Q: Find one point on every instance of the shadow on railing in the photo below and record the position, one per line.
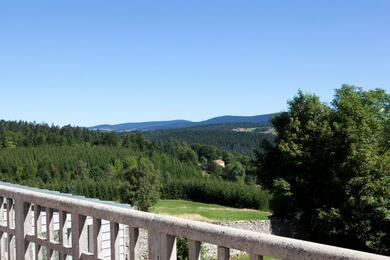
(41, 224)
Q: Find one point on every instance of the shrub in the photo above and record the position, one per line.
(213, 190)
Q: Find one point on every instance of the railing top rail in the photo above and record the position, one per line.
(249, 241)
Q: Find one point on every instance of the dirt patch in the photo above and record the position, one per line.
(194, 217)
(190, 216)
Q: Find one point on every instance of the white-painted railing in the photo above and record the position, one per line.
(20, 227)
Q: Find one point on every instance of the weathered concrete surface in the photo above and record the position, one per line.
(252, 242)
(262, 226)
(210, 250)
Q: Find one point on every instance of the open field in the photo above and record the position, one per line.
(207, 212)
(244, 130)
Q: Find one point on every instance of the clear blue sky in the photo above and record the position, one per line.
(90, 62)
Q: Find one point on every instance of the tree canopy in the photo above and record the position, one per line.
(141, 186)
(124, 167)
(329, 167)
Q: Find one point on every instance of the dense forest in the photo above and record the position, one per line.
(120, 167)
(234, 137)
(326, 167)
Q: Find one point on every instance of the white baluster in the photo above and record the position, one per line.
(97, 237)
(167, 247)
(10, 211)
(256, 257)
(194, 248)
(79, 236)
(62, 231)
(114, 239)
(133, 243)
(153, 245)
(223, 253)
(23, 215)
(49, 225)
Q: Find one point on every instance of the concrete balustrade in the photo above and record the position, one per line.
(21, 222)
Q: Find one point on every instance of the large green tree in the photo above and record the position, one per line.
(142, 185)
(234, 171)
(330, 167)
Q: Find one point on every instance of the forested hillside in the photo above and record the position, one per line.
(327, 168)
(176, 124)
(124, 167)
(235, 137)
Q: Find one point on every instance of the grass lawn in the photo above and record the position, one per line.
(207, 212)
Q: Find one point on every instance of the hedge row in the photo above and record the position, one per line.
(216, 191)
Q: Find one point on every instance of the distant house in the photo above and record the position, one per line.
(219, 163)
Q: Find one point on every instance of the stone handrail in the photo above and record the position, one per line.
(22, 206)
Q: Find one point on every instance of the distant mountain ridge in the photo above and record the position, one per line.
(176, 124)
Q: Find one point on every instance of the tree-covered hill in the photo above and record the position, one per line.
(176, 124)
(328, 166)
(234, 137)
(125, 167)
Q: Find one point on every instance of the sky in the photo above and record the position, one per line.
(91, 62)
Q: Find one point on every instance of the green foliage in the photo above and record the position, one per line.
(142, 183)
(209, 152)
(121, 167)
(213, 190)
(182, 248)
(23, 134)
(221, 136)
(329, 167)
(281, 199)
(214, 169)
(186, 154)
(234, 171)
